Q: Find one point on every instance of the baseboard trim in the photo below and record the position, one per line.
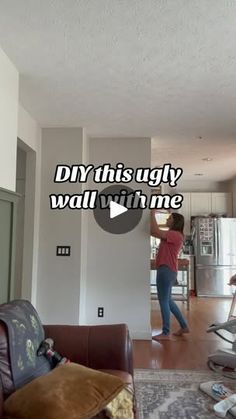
(141, 335)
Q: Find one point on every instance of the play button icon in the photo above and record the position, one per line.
(113, 214)
(116, 209)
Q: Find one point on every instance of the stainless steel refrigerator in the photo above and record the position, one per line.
(214, 242)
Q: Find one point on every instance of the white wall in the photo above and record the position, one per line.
(196, 186)
(28, 130)
(104, 269)
(201, 186)
(84, 239)
(119, 265)
(16, 122)
(58, 286)
(8, 122)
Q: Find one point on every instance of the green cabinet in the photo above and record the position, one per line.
(8, 203)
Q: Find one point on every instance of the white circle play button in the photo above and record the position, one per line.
(116, 209)
(112, 215)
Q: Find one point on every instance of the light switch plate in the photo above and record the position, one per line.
(63, 250)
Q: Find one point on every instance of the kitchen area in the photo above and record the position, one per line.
(208, 258)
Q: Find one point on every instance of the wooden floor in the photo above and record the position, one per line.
(190, 351)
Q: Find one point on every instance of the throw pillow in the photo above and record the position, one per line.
(70, 391)
(121, 407)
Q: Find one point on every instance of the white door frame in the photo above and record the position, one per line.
(29, 214)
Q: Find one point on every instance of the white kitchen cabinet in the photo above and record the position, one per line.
(221, 203)
(204, 203)
(185, 210)
(200, 203)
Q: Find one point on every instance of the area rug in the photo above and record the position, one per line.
(175, 394)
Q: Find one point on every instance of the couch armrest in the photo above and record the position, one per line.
(1, 400)
(98, 347)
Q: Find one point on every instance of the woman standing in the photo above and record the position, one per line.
(167, 267)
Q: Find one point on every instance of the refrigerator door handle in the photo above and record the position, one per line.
(193, 233)
(217, 240)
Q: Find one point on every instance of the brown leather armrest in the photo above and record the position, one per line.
(98, 347)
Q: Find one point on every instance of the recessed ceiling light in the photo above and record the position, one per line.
(198, 174)
(207, 159)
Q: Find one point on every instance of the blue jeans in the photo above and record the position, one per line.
(165, 279)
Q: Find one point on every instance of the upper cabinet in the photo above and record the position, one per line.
(200, 203)
(221, 203)
(204, 203)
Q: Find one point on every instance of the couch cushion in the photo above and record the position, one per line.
(124, 376)
(69, 391)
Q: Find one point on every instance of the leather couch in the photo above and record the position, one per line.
(107, 348)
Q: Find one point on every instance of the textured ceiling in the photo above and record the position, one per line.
(165, 69)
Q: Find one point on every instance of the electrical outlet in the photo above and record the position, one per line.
(100, 311)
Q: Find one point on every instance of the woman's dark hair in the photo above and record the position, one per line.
(178, 222)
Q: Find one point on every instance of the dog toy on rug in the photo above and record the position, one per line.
(225, 397)
(46, 349)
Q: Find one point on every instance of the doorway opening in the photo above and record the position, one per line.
(161, 217)
(20, 189)
(25, 187)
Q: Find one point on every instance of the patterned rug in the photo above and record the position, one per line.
(174, 394)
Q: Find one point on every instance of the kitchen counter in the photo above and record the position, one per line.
(183, 263)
